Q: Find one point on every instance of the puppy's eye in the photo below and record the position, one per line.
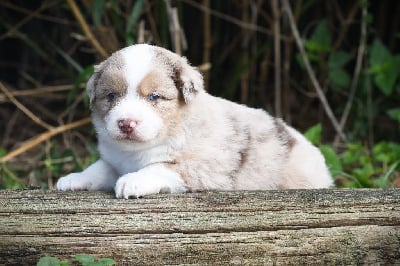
(154, 97)
(111, 96)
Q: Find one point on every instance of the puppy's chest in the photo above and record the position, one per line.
(125, 162)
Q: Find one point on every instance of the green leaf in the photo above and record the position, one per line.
(384, 181)
(339, 77)
(368, 18)
(332, 160)
(65, 263)
(386, 82)
(69, 59)
(392, 113)
(363, 3)
(83, 76)
(385, 67)
(312, 56)
(391, 170)
(106, 262)
(320, 40)
(386, 152)
(85, 259)
(313, 134)
(381, 68)
(133, 18)
(98, 10)
(379, 54)
(48, 261)
(338, 59)
(313, 46)
(352, 153)
(3, 152)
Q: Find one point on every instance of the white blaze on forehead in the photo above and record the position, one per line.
(138, 61)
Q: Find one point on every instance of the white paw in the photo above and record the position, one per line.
(74, 181)
(151, 180)
(137, 185)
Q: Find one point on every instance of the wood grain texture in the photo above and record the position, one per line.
(297, 227)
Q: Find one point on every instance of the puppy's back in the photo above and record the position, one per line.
(247, 149)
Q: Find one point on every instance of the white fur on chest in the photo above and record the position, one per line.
(128, 161)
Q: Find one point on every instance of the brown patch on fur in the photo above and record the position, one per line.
(263, 137)
(174, 166)
(167, 106)
(172, 65)
(244, 152)
(159, 83)
(178, 84)
(283, 134)
(113, 63)
(172, 120)
(109, 79)
(243, 136)
(167, 58)
(243, 157)
(177, 67)
(149, 84)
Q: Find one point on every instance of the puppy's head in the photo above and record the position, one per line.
(138, 95)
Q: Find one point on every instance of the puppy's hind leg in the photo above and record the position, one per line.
(307, 168)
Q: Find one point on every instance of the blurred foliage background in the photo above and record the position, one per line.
(329, 67)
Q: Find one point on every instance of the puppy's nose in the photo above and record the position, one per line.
(126, 125)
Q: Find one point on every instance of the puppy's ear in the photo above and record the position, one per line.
(90, 85)
(188, 80)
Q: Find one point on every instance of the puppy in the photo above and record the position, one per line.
(159, 131)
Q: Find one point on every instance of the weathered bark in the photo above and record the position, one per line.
(299, 227)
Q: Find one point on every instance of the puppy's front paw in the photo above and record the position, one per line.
(137, 185)
(74, 181)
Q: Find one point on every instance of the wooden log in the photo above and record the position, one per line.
(295, 227)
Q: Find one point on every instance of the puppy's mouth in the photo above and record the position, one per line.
(129, 138)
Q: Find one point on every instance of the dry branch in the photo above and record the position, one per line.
(357, 71)
(294, 227)
(86, 29)
(176, 32)
(233, 20)
(207, 42)
(38, 15)
(27, 19)
(25, 110)
(43, 137)
(277, 56)
(310, 72)
(40, 91)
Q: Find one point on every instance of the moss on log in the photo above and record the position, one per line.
(299, 227)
